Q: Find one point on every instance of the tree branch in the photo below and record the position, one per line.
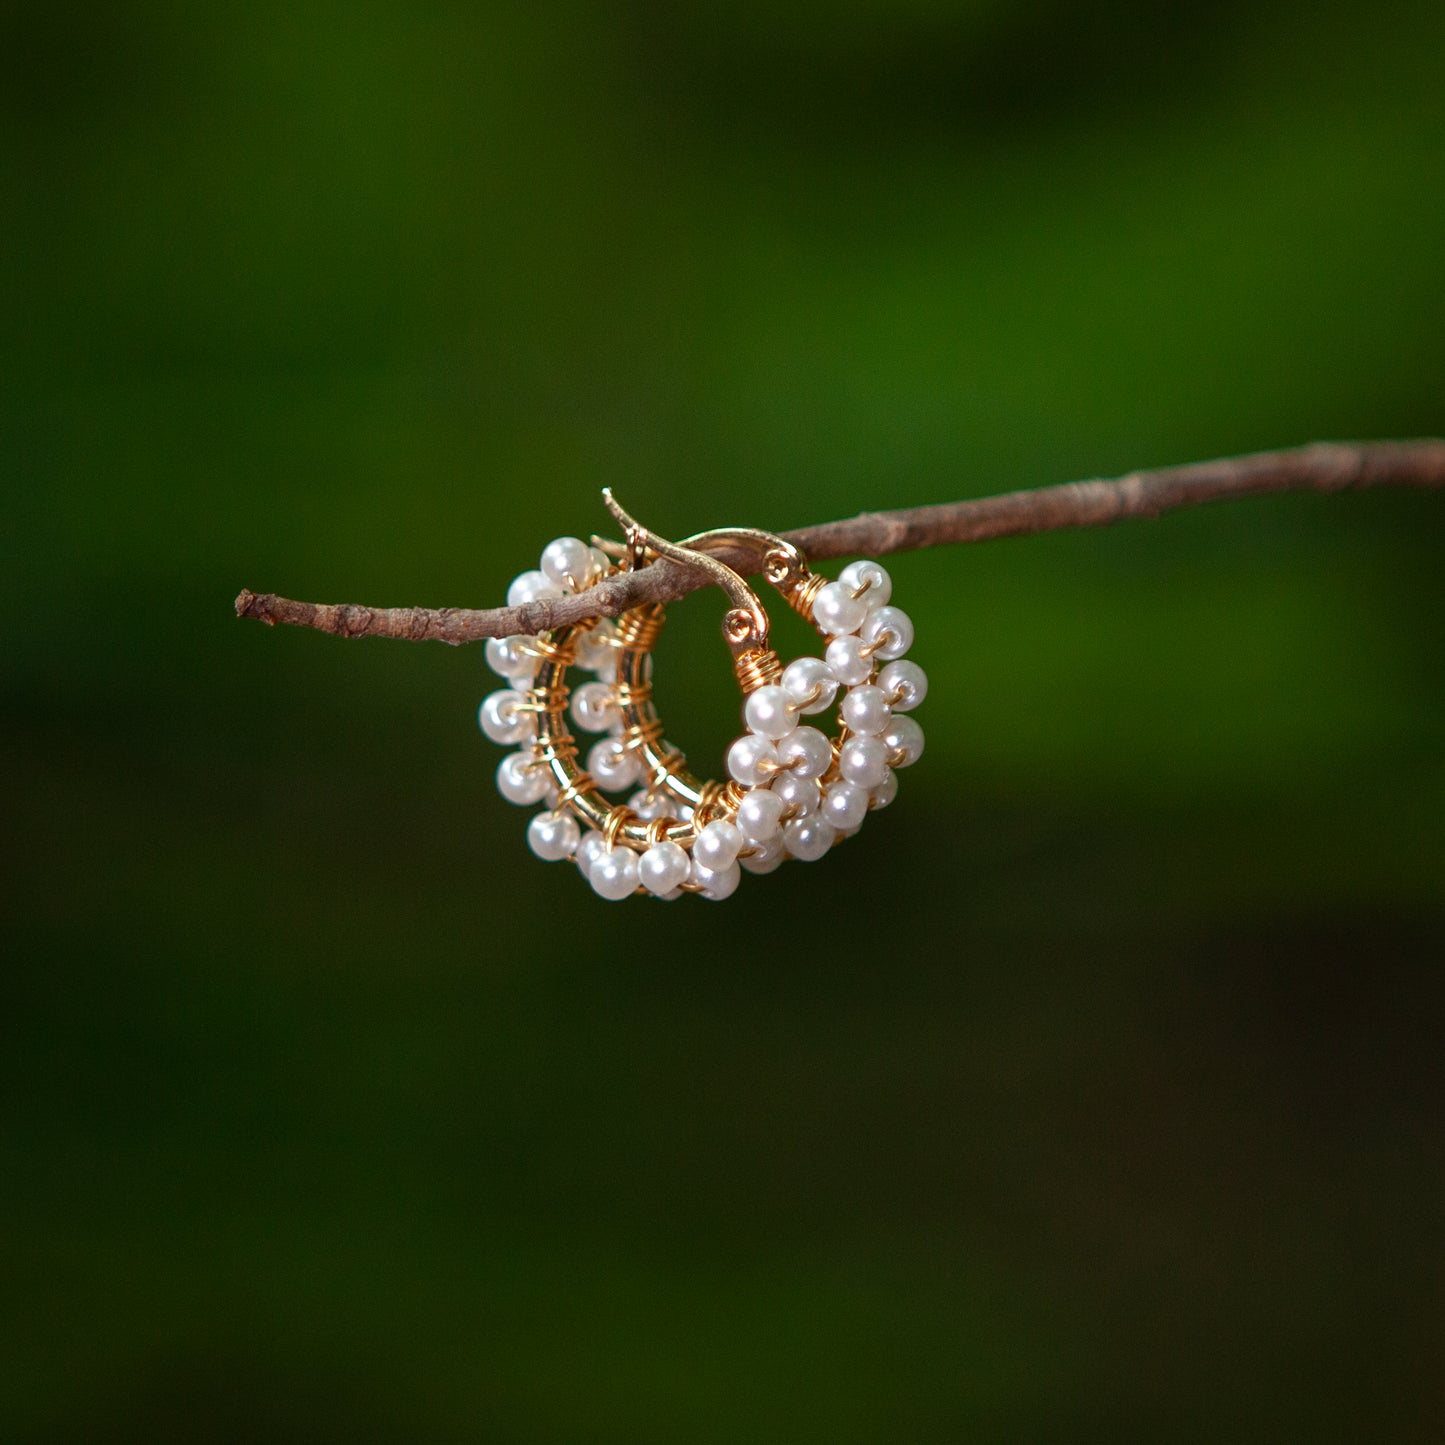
(1323, 467)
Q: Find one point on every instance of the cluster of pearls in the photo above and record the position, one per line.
(803, 793)
(796, 792)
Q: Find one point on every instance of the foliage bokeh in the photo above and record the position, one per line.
(1092, 1092)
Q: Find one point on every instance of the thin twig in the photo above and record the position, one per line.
(1323, 467)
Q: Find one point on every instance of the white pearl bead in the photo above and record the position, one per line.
(767, 713)
(752, 760)
(553, 836)
(530, 587)
(808, 681)
(904, 740)
(904, 684)
(601, 564)
(614, 872)
(836, 610)
(760, 815)
(500, 719)
(885, 792)
(716, 883)
(845, 805)
(805, 752)
(594, 707)
(522, 781)
(594, 650)
(663, 867)
(898, 626)
(863, 761)
(613, 766)
(765, 857)
(865, 710)
(808, 838)
(876, 579)
(567, 563)
(506, 658)
(847, 662)
(800, 796)
(587, 850)
(649, 804)
(717, 845)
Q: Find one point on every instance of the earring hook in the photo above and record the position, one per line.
(746, 624)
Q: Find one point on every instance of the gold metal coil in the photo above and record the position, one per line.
(617, 820)
(757, 668)
(632, 694)
(556, 750)
(800, 596)
(582, 782)
(546, 699)
(563, 651)
(642, 734)
(639, 629)
(657, 829)
(667, 766)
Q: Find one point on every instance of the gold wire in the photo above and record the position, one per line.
(632, 694)
(582, 782)
(757, 669)
(800, 596)
(617, 820)
(638, 629)
(641, 734)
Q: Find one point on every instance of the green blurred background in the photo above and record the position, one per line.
(1092, 1093)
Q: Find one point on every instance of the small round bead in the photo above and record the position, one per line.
(500, 719)
(530, 587)
(567, 563)
(594, 650)
(898, 626)
(808, 838)
(760, 816)
(863, 761)
(613, 766)
(810, 684)
(836, 610)
(904, 740)
(649, 804)
(865, 710)
(752, 760)
(765, 857)
(594, 707)
(553, 836)
(613, 873)
(904, 684)
(885, 792)
(662, 868)
(805, 752)
(716, 883)
(601, 564)
(506, 658)
(846, 661)
(520, 780)
(845, 805)
(879, 584)
(717, 845)
(767, 713)
(800, 796)
(587, 850)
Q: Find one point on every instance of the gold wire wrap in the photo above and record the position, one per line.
(800, 596)
(757, 669)
(582, 782)
(618, 819)
(639, 629)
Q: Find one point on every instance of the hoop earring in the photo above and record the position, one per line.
(791, 790)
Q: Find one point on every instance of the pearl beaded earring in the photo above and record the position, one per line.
(792, 792)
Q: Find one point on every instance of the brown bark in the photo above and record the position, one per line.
(1322, 467)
